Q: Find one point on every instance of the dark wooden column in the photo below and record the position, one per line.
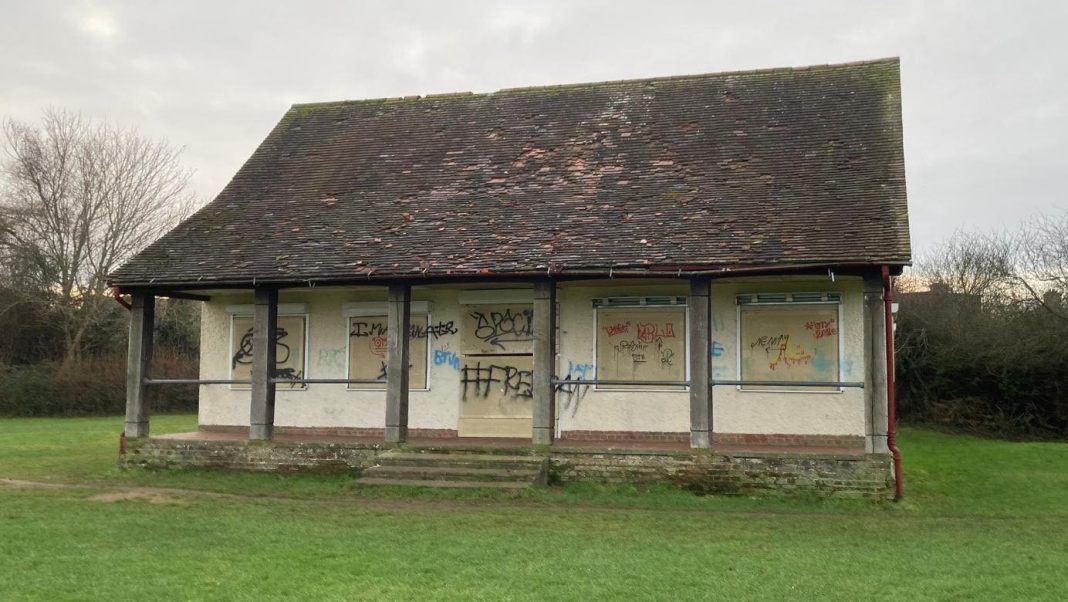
(398, 325)
(264, 325)
(875, 365)
(544, 410)
(138, 358)
(700, 363)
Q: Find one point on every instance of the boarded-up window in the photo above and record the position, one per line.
(290, 343)
(367, 351)
(641, 343)
(789, 342)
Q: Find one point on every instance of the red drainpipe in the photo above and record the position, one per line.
(117, 295)
(891, 396)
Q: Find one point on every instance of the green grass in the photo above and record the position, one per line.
(982, 519)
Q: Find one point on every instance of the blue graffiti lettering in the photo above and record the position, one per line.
(446, 358)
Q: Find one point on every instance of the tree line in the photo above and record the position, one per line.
(77, 198)
(982, 332)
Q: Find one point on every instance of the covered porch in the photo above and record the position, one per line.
(560, 328)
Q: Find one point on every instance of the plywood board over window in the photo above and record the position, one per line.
(789, 342)
(367, 351)
(290, 341)
(641, 343)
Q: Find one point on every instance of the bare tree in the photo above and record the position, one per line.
(1042, 256)
(78, 198)
(972, 264)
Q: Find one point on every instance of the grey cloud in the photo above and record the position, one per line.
(985, 112)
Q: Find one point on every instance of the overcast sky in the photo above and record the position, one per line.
(984, 84)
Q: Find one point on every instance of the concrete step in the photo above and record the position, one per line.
(444, 484)
(465, 470)
(464, 460)
(446, 473)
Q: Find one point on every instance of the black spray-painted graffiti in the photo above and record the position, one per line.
(499, 327)
(244, 348)
(362, 329)
(434, 330)
(509, 380)
(243, 355)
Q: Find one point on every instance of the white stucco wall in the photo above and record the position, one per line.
(327, 405)
(332, 405)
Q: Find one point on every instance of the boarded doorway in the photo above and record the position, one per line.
(496, 375)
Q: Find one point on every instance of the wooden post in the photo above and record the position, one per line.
(700, 363)
(398, 325)
(544, 410)
(138, 358)
(875, 374)
(264, 325)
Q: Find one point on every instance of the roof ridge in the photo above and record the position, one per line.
(761, 71)
(663, 78)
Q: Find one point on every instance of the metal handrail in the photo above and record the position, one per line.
(194, 381)
(587, 381)
(327, 381)
(788, 383)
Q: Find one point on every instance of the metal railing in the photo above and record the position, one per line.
(555, 381)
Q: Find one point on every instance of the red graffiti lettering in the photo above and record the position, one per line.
(648, 332)
(620, 328)
(821, 328)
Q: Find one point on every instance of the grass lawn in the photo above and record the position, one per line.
(982, 520)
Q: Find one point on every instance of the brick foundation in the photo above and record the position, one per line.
(729, 439)
(624, 436)
(782, 440)
(740, 472)
(329, 431)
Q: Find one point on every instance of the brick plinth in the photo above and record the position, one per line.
(842, 474)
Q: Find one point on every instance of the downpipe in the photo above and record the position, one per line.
(891, 394)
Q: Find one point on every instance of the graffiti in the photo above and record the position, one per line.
(718, 349)
(444, 357)
(434, 330)
(768, 343)
(778, 349)
(367, 329)
(635, 349)
(647, 333)
(376, 331)
(415, 331)
(288, 374)
(512, 381)
(381, 372)
(499, 327)
(571, 394)
(331, 360)
(666, 356)
(617, 329)
(821, 328)
(243, 355)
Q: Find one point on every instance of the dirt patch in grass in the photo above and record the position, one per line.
(152, 497)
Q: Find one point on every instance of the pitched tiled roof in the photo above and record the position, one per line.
(779, 167)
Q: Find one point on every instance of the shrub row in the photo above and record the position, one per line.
(90, 387)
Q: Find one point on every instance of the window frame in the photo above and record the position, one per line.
(279, 387)
(357, 387)
(826, 298)
(651, 303)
